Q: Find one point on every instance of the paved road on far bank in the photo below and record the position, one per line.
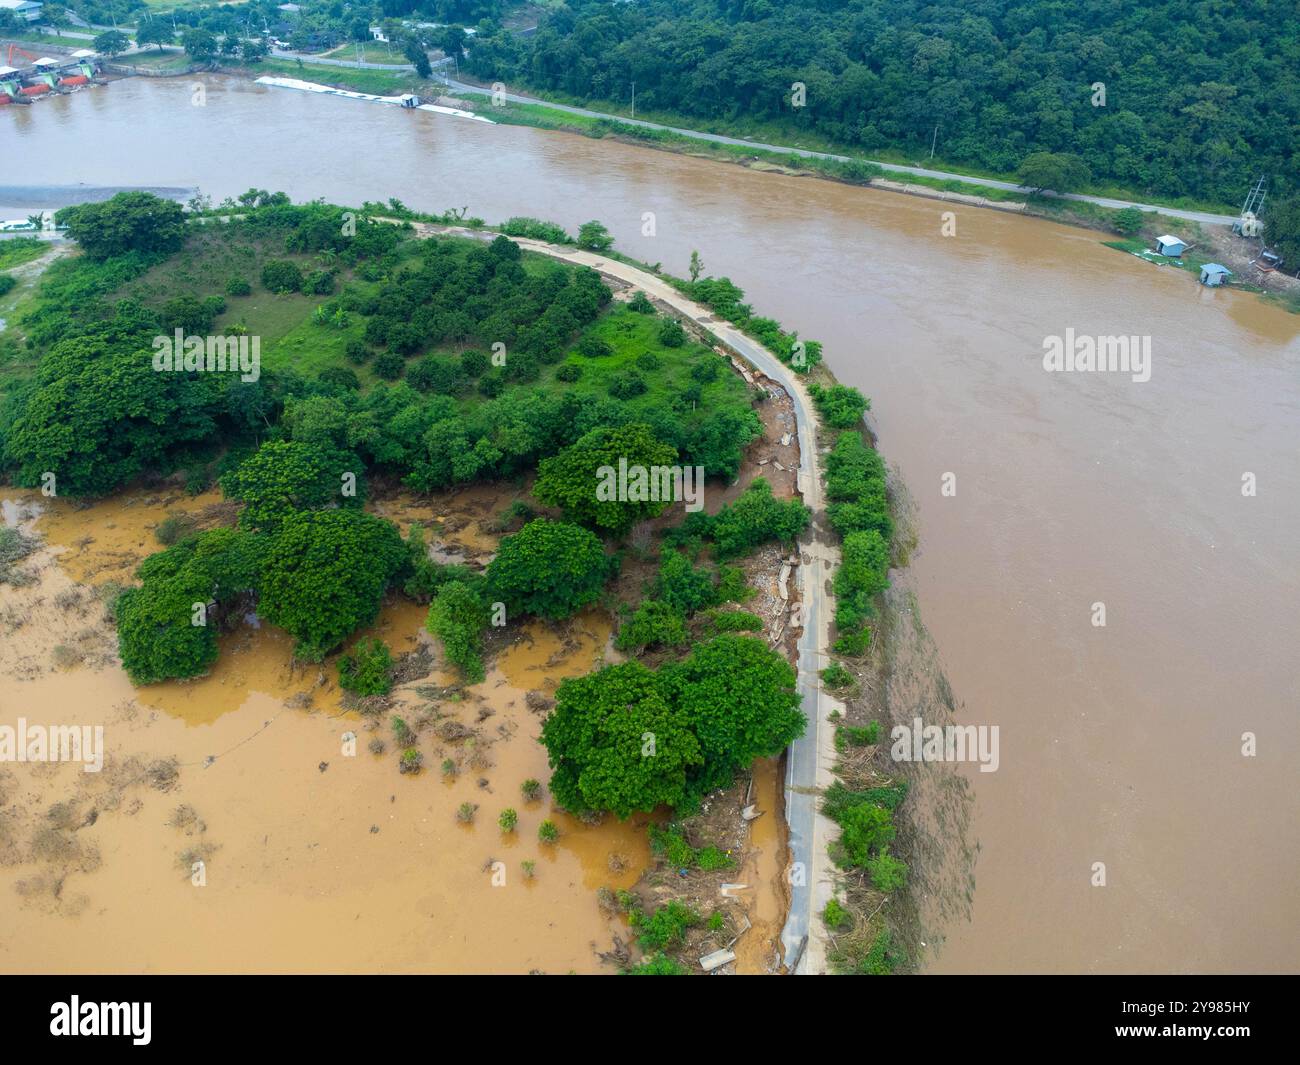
(896, 168)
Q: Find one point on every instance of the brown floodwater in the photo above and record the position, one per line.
(319, 856)
(1119, 744)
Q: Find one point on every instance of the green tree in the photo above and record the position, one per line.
(111, 43)
(739, 699)
(583, 478)
(1055, 171)
(458, 616)
(592, 236)
(155, 31)
(129, 221)
(549, 568)
(418, 57)
(1282, 231)
(167, 628)
(697, 266)
(617, 744)
(325, 574)
(284, 476)
(99, 415)
(199, 44)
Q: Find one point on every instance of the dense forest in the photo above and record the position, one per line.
(1200, 98)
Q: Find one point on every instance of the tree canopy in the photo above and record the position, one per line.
(549, 568)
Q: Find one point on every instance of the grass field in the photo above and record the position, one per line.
(371, 52)
(14, 251)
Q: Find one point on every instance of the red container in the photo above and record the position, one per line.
(74, 79)
(34, 90)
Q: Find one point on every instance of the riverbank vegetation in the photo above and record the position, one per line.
(984, 91)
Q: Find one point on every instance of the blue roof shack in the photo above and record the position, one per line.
(1170, 245)
(1213, 274)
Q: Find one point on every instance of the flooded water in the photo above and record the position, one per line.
(319, 854)
(1119, 744)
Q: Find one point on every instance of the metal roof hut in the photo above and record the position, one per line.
(1170, 245)
(1214, 274)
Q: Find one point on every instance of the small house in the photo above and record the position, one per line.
(1170, 245)
(1213, 274)
(27, 10)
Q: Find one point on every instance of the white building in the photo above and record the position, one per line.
(24, 9)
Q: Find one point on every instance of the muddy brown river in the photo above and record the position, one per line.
(1119, 744)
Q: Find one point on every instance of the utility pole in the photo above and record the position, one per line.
(634, 97)
(934, 140)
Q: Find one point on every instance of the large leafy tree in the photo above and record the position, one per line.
(283, 476)
(625, 738)
(325, 574)
(617, 744)
(739, 698)
(573, 479)
(167, 628)
(1055, 171)
(130, 221)
(549, 568)
(99, 415)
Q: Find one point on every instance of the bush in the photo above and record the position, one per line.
(1128, 221)
(640, 303)
(593, 347)
(547, 832)
(570, 371)
(172, 528)
(840, 406)
(474, 363)
(281, 276)
(657, 965)
(531, 790)
(647, 361)
(7, 283)
(238, 286)
(357, 352)
(458, 617)
(508, 820)
(837, 918)
(671, 333)
(318, 283)
(627, 384)
(389, 366)
(655, 622)
(666, 927)
(836, 676)
(367, 670)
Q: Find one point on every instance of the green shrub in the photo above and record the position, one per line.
(836, 676)
(657, 965)
(837, 918)
(389, 366)
(547, 832)
(367, 670)
(840, 406)
(508, 820)
(666, 927)
(281, 276)
(655, 622)
(238, 286)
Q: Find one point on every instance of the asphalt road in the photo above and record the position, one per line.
(896, 168)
